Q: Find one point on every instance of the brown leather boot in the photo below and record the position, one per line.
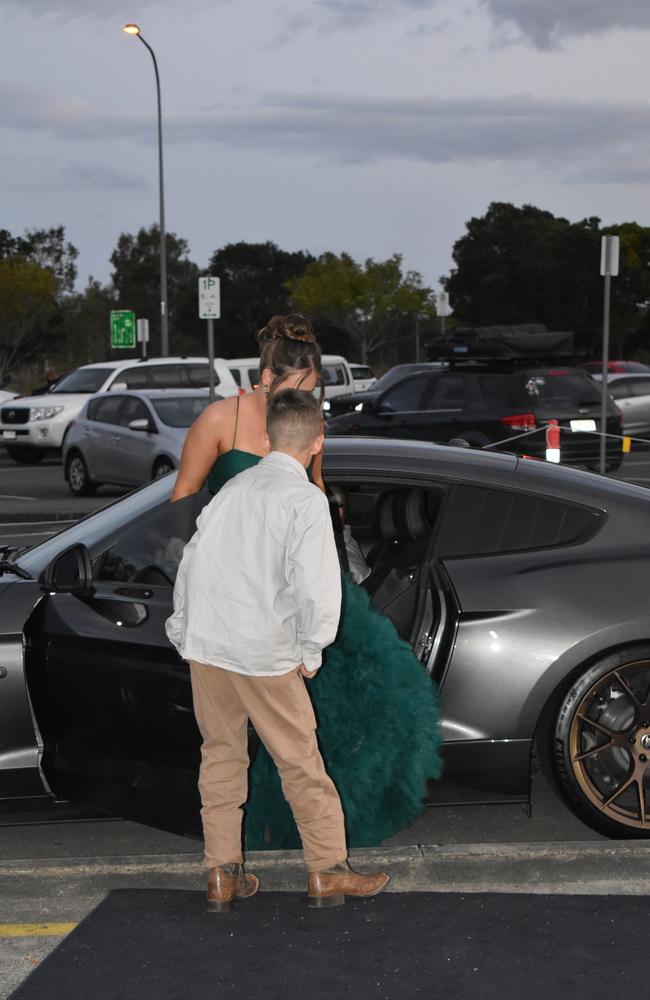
(229, 882)
(329, 888)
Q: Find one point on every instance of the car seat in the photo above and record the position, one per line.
(404, 521)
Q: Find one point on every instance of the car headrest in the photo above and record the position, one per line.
(405, 515)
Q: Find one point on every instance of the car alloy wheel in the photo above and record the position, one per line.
(603, 746)
(77, 476)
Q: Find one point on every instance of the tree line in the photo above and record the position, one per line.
(363, 310)
(511, 265)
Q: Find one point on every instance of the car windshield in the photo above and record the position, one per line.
(82, 380)
(95, 530)
(180, 411)
(557, 387)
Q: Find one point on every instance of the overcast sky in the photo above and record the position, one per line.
(372, 126)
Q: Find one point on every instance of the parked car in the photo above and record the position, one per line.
(32, 425)
(337, 374)
(129, 438)
(632, 395)
(246, 372)
(522, 588)
(348, 402)
(617, 367)
(6, 395)
(362, 376)
(491, 405)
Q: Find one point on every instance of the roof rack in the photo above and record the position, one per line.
(530, 342)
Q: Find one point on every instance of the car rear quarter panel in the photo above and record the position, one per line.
(530, 621)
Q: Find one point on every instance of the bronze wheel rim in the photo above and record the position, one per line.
(609, 745)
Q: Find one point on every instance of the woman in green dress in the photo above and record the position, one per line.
(375, 703)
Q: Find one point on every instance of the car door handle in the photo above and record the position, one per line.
(141, 593)
(115, 438)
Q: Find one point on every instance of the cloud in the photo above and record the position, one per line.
(557, 135)
(335, 14)
(68, 10)
(96, 177)
(546, 23)
(36, 175)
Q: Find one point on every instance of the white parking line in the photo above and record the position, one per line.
(32, 534)
(31, 524)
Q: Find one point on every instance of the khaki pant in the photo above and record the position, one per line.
(282, 714)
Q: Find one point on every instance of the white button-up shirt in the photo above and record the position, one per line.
(258, 590)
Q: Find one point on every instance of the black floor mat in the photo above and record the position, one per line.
(163, 945)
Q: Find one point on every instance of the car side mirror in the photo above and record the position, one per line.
(383, 409)
(70, 572)
(118, 387)
(142, 424)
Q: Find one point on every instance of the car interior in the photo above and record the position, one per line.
(394, 529)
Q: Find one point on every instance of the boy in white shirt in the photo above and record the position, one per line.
(257, 599)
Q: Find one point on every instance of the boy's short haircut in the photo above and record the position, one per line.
(293, 419)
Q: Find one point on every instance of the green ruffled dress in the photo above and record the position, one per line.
(377, 712)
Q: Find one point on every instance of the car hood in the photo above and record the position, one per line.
(67, 399)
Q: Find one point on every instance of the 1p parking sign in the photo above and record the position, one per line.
(209, 297)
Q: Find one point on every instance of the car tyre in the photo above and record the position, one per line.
(162, 467)
(78, 477)
(601, 744)
(26, 454)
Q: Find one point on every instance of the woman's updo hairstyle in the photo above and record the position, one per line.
(288, 344)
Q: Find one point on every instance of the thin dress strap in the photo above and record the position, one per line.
(234, 437)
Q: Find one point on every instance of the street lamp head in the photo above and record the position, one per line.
(132, 29)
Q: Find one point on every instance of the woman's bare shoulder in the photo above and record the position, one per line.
(222, 409)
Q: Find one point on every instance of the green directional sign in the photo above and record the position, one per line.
(122, 328)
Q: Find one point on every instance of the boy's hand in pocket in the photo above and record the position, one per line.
(307, 673)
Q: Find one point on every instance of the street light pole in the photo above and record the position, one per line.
(133, 29)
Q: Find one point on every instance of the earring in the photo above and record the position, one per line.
(267, 389)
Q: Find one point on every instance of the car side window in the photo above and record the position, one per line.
(134, 409)
(446, 392)
(236, 374)
(640, 387)
(107, 411)
(334, 375)
(486, 521)
(406, 396)
(150, 549)
(135, 378)
(621, 388)
(168, 376)
(198, 376)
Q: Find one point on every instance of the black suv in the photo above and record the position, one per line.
(485, 404)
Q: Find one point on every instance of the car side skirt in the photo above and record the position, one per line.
(483, 771)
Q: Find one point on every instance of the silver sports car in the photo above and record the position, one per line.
(521, 587)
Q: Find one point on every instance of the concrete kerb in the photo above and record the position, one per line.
(567, 867)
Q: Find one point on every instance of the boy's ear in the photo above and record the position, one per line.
(318, 444)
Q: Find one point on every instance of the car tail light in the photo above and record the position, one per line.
(520, 422)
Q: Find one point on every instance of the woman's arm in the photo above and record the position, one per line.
(200, 451)
(317, 472)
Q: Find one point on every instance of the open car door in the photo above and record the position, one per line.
(111, 696)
